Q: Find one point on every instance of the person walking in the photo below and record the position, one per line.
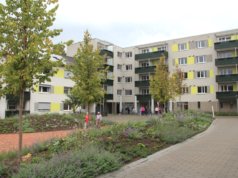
(98, 119)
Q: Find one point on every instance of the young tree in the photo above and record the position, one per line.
(164, 86)
(88, 73)
(73, 100)
(25, 47)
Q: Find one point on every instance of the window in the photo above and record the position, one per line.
(202, 74)
(185, 75)
(162, 48)
(43, 106)
(225, 71)
(144, 50)
(182, 46)
(129, 67)
(184, 90)
(11, 105)
(202, 89)
(119, 66)
(119, 54)
(67, 90)
(144, 77)
(199, 104)
(44, 88)
(200, 59)
(227, 87)
(201, 44)
(224, 38)
(128, 92)
(67, 74)
(144, 64)
(128, 79)
(119, 79)
(67, 107)
(224, 54)
(182, 61)
(145, 91)
(128, 54)
(119, 92)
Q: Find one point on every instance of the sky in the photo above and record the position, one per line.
(133, 22)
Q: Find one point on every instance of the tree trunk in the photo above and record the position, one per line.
(21, 107)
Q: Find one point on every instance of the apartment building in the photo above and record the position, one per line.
(208, 62)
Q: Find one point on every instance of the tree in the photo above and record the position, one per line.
(73, 101)
(88, 73)
(26, 47)
(164, 86)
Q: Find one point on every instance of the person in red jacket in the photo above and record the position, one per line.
(86, 121)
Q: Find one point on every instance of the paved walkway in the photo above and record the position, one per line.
(212, 154)
(9, 142)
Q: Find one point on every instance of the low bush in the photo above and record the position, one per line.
(88, 162)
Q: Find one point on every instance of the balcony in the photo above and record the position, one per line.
(226, 61)
(110, 67)
(143, 98)
(230, 95)
(106, 52)
(151, 55)
(108, 82)
(149, 69)
(227, 78)
(226, 44)
(108, 96)
(142, 83)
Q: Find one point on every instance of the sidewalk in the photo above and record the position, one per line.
(212, 154)
(9, 142)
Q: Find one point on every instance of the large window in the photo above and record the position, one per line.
(201, 44)
(11, 105)
(43, 106)
(226, 71)
(200, 59)
(119, 54)
(119, 92)
(184, 90)
(182, 46)
(145, 50)
(182, 61)
(129, 67)
(44, 88)
(67, 107)
(128, 92)
(128, 79)
(67, 90)
(128, 54)
(145, 91)
(162, 48)
(224, 38)
(202, 89)
(119, 66)
(227, 87)
(202, 74)
(144, 77)
(119, 79)
(185, 75)
(144, 64)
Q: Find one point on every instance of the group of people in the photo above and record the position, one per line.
(98, 120)
(144, 110)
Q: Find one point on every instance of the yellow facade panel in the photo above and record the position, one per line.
(211, 73)
(60, 73)
(58, 90)
(190, 75)
(174, 47)
(193, 90)
(54, 107)
(191, 60)
(211, 89)
(210, 42)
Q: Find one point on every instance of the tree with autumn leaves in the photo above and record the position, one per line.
(163, 85)
(26, 47)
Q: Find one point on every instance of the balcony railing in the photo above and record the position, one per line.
(108, 96)
(226, 61)
(230, 95)
(149, 69)
(106, 52)
(226, 44)
(151, 55)
(110, 67)
(143, 98)
(108, 82)
(227, 78)
(142, 83)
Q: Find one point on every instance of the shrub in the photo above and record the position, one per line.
(89, 162)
